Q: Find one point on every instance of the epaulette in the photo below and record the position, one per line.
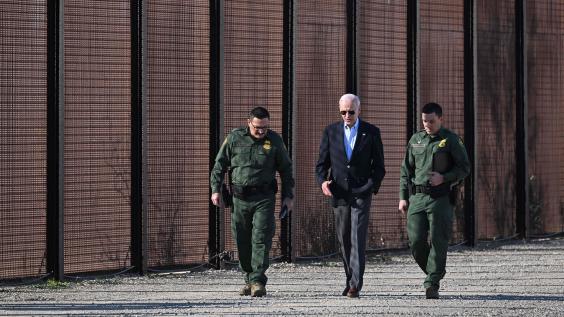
(238, 130)
(420, 131)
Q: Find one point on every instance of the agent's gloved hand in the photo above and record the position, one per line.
(287, 206)
(283, 212)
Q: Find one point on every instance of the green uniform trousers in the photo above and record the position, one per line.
(253, 226)
(430, 216)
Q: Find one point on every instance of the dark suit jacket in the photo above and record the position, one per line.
(351, 178)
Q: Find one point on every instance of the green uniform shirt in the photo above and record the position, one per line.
(253, 161)
(418, 161)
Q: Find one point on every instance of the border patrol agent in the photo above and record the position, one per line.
(435, 161)
(253, 154)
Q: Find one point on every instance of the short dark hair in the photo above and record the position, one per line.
(432, 107)
(259, 113)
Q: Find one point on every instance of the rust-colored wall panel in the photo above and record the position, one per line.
(97, 135)
(495, 119)
(545, 91)
(97, 122)
(253, 76)
(441, 59)
(177, 131)
(383, 98)
(320, 82)
(23, 136)
(441, 64)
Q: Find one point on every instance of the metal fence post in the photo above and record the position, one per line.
(469, 124)
(55, 139)
(216, 101)
(138, 209)
(412, 66)
(521, 153)
(352, 47)
(288, 95)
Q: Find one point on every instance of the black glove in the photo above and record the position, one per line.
(283, 212)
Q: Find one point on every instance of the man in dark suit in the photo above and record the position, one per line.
(350, 169)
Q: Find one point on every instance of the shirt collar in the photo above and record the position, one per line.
(354, 127)
(440, 133)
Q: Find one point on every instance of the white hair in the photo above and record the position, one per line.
(353, 97)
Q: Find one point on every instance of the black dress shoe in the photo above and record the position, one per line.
(353, 292)
(345, 291)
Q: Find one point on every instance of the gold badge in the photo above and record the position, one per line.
(266, 145)
(442, 143)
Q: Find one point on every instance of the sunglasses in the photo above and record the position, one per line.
(350, 112)
(258, 128)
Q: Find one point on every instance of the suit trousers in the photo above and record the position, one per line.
(351, 224)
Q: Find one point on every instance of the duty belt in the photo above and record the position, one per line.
(423, 189)
(433, 191)
(246, 191)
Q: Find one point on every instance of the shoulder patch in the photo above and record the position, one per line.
(443, 143)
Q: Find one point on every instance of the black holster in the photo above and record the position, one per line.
(439, 191)
(411, 189)
(226, 196)
(453, 195)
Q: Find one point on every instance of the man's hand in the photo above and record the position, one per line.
(216, 199)
(435, 179)
(287, 206)
(402, 207)
(325, 188)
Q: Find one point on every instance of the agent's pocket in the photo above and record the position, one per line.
(241, 156)
(263, 159)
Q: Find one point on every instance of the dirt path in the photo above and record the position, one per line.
(516, 279)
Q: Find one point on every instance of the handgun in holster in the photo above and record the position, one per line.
(410, 187)
(442, 163)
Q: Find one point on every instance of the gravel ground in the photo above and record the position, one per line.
(501, 279)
